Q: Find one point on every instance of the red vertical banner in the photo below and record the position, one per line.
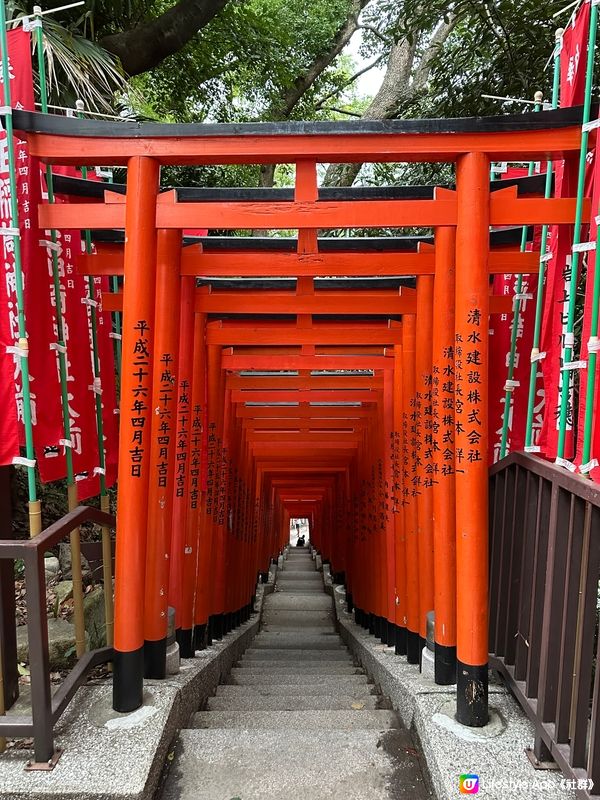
(80, 349)
(80, 378)
(573, 58)
(588, 343)
(501, 326)
(110, 406)
(10, 374)
(76, 307)
(500, 350)
(44, 385)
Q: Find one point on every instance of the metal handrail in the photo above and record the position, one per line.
(46, 710)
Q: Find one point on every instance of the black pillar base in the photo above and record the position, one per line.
(391, 634)
(155, 659)
(445, 665)
(128, 680)
(212, 627)
(422, 644)
(413, 648)
(383, 630)
(371, 625)
(227, 623)
(264, 577)
(400, 649)
(472, 695)
(218, 626)
(349, 602)
(185, 641)
(200, 637)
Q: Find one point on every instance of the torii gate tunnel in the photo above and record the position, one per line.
(362, 409)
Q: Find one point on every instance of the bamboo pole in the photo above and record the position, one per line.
(75, 536)
(539, 305)
(509, 385)
(35, 508)
(97, 387)
(571, 282)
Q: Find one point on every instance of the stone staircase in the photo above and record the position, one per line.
(296, 719)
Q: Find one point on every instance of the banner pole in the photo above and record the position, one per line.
(62, 364)
(588, 427)
(104, 498)
(508, 388)
(539, 303)
(35, 508)
(571, 283)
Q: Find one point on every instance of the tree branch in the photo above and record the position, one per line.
(343, 111)
(149, 43)
(303, 82)
(348, 82)
(372, 29)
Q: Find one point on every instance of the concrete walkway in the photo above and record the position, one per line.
(296, 719)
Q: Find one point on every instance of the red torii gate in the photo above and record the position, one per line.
(164, 315)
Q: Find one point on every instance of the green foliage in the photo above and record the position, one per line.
(240, 65)
(498, 47)
(77, 68)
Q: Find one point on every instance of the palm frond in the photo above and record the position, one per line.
(77, 68)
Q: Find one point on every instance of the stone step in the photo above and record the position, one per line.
(304, 583)
(287, 654)
(219, 764)
(251, 701)
(279, 624)
(300, 566)
(290, 618)
(295, 689)
(316, 602)
(264, 655)
(380, 720)
(251, 677)
(282, 640)
(300, 667)
(292, 574)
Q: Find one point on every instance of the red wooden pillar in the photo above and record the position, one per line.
(162, 452)
(134, 436)
(193, 493)
(410, 488)
(182, 454)
(214, 509)
(388, 519)
(444, 497)
(471, 445)
(397, 500)
(424, 448)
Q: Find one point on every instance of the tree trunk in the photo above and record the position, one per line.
(146, 45)
(405, 76)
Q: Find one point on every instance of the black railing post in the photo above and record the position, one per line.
(8, 631)
(39, 663)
